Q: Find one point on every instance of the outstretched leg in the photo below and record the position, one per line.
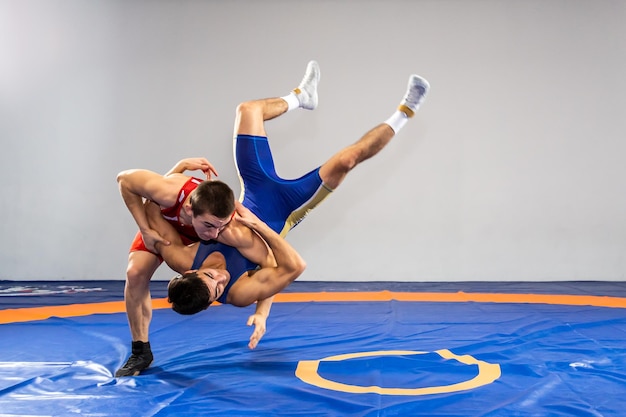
(337, 167)
(251, 115)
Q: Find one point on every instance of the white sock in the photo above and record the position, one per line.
(292, 101)
(397, 120)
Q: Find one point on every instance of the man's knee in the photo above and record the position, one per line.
(347, 160)
(249, 109)
(138, 275)
(249, 119)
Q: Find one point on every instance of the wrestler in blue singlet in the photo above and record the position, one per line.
(280, 203)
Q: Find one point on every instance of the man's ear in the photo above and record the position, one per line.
(188, 210)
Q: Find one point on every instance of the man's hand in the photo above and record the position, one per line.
(194, 164)
(259, 329)
(245, 216)
(201, 164)
(151, 237)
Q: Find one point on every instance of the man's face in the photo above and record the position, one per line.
(208, 226)
(216, 280)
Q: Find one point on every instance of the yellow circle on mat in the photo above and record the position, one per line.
(307, 371)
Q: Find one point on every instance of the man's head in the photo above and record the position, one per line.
(212, 208)
(194, 291)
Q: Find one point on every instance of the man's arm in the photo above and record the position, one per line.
(193, 164)
(137, 184)
(178, 256)
(270, 279)
(276, 272)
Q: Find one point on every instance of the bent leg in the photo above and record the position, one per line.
(251, 115)
(253, 157)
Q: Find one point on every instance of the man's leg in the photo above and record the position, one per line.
(141, 267)
(251, 115)
(253, 158)
(337, 167)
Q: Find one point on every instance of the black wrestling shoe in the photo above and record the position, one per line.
(140, 359)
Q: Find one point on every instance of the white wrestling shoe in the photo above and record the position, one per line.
(307, 90)
(416, 91)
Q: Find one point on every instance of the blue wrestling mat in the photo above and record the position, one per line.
(331, 349)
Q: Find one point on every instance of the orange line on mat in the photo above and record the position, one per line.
(591, 300)
(76, 310)
(15, 315)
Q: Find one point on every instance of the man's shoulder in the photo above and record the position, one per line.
(176, 182)
(178, 177)
(167, 191)
(237, 235)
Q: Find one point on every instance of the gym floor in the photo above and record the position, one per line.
(331, 349)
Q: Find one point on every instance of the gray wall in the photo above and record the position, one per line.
(512, 170)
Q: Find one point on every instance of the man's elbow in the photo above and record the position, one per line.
(300, 266)
(121, 177)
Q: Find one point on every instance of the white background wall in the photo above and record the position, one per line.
(512, 170)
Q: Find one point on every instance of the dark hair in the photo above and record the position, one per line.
(213, 197)
(188, 293)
